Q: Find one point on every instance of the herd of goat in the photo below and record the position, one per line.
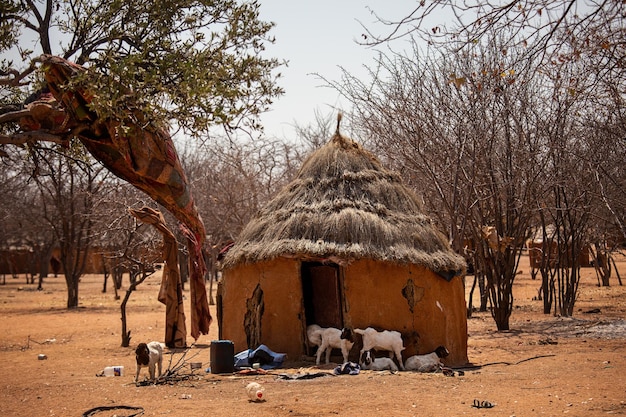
(328, 338)
(150, 355)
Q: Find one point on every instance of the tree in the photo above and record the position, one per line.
(234, 180)
(139, 258)
(548, 36)
(194, 63)
(500, 57)
(547, 31)
(125, 247)
(20, 229)
(462, 130)
(69, 191)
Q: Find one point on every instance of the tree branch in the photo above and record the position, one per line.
(33, 136)
(13, 78)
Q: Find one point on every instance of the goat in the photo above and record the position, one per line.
(430, 362)
(327, 338)
(389, 340)
(150, 355)
(371, 362)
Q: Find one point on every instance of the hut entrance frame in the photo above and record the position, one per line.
(322, 295)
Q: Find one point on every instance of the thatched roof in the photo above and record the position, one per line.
(343, 205)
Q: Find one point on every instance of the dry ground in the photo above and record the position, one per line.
(544, 366)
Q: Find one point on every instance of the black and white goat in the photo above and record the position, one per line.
(371, 362)
(327, 338)
(150, 355)
(430, 362)
(389, 340)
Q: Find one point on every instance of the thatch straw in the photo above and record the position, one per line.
(343, 205)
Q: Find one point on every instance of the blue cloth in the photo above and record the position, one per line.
(242, 359)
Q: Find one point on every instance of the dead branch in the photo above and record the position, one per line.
(95, 410)
(14, 78)
(174, 373)
(33, 136)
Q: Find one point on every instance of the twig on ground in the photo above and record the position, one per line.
(100, 409)
(173, 373)
(502, 363)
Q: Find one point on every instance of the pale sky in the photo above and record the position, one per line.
(318, 37)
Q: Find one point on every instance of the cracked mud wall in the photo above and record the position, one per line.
(262, 304)
(255, 307)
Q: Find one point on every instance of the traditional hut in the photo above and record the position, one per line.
(344, 244)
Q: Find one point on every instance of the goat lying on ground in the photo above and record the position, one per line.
(150, 355)
(371, 362)
(430, 362)
(328, 338)
(389, 340)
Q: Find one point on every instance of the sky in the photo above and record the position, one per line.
(319, 37)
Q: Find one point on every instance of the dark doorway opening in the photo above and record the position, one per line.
(322, 294)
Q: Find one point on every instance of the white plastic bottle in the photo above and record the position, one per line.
(255, 391)
(114, 371)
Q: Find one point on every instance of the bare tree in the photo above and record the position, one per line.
(461, 129)
(140, 257)
(544, 30)
(475, 129)
(68, 189)
(234, 180)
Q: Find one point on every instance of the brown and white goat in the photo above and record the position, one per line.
(327, 338)
(430, 362)
(389, 340)
(149, 355)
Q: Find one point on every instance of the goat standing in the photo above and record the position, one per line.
(328, 338)
(389, 340)
(150, 355)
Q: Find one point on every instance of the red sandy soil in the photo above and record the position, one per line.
(545, 365)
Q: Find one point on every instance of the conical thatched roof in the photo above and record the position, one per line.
(344, 205)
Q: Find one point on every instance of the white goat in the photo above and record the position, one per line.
(389, 340)
(430, 362)
(371, 362)
(327, 338)
(150, 355)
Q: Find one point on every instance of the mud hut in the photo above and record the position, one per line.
(344, 244)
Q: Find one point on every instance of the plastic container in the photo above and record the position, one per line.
(222, 357)
(114, 371)
(255, 392)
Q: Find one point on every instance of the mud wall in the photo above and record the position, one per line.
(408, 298)
(262, 303)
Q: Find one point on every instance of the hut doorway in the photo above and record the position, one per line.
(322, 294)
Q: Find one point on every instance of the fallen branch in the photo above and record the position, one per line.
(173, 374)
(502, 363)
(96, 410)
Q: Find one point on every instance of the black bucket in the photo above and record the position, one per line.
(222, 357)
